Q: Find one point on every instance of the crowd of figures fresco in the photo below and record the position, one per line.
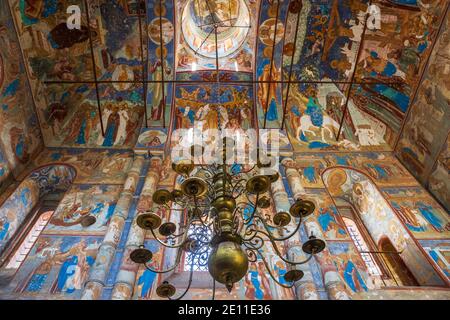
(423, 146)
(20, 136)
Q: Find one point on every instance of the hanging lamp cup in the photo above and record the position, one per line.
(165, 290)
(141, 255)
(148, 221)
(313, 245)
(293, 275)
(194, 187)
(162, 196)
(176, 194)
(167, 229)
(263, 202)
(258, 184)
(302, 208)
(281, 219)
(183, 168)
(228, 263)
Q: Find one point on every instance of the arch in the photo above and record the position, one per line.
(381, 221)
(18, 207)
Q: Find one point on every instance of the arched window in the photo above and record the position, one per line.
(362, 246)
(27, 243)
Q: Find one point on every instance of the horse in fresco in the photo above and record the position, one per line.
(306, 125)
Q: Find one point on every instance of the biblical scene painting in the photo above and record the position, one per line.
(81, 201)
(56, 268)
(107, 166)
(423, 216)
(20, 137)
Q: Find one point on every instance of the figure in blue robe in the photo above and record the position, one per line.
(428, 214)
(281, 272)
(310, 174)
(382, 173)
(349, 275)
(81, 139)
(272, 113)
(325, 220)
(67, 270)
(112, 129)
(190, 115)
(146, 280)
(259, 294)
(4, 230)
(315, 112)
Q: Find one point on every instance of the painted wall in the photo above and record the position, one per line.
(20, 136)
(423, 145)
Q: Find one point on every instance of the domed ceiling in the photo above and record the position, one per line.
(137, 70)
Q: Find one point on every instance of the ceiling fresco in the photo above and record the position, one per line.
(318, 70)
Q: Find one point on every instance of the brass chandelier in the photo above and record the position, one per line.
(218, 232)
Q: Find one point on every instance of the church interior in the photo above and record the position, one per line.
(348, 99)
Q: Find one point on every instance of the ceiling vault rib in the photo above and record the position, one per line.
(285, 102)
(94, 67)
(271, 62)
(352, 80)
(143, 76)
(161, 57)
(231, 81)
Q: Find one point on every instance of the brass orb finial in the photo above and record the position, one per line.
(165, 290)
(141, 255)
(228, 263)
(281, 219)
(258, 184)
(148, 221)
(194, 187)
(162, 196)
(167, 229)
(183, 168)
(302, 208)
(293, 275)
(88, 221)
(313, 245)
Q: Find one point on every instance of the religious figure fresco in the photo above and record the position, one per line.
(146, 279)
(350, 266)
(423, 216)
(80, 201)
(107, 166)
(56, 266)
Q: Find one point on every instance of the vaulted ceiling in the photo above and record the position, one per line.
(137, 70)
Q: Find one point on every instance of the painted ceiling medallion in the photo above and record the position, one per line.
(201, 18)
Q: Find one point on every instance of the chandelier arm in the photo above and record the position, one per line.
(269, 270)
(189, 283)
(277, 251)
(267, 226)
(177, 262)
(167, 245)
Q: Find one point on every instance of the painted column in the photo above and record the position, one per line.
(126, 278)
(280, 197)
(97, 277)
(305, 289)
(332, 280)
(294, 179)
